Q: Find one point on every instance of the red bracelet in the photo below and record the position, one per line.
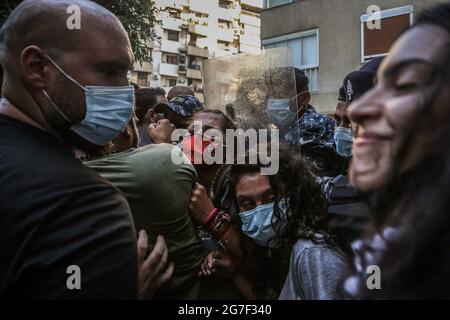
(221, 224)
(210, 216)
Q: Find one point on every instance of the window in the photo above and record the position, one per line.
(192, 40)
(223, 45)
(305, 51)
(376, 42)
(223, 24)
(172, 59)
(142, 79)
(194, 63)
(173, 35)
(224, 4)
(175, 14)
(274, 3)
(172, 82)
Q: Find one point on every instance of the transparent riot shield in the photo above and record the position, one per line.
(257, 90)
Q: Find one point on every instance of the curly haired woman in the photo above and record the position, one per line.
(272, 232)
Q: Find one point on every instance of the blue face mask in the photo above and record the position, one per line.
(108, 111)
(258, 224)
(279, 111)
(343, 139)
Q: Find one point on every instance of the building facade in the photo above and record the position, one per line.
(330, 38)
(189, 31)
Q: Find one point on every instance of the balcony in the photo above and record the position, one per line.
(144, 67)
(251, 30)
(249, 49)
(173, 24)
(255, 4)
(172, 4)
(251, 40)
(199, 29)
(222, 53)
(194, 73)
(225, 35)
(182, 69)
(170, 46)
(202, 6)
(227, 14)
(183, 47)
(251, 20)
(198, 52)
(202, 43)
(170, 70)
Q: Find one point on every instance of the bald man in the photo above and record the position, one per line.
(65, 232)
(179, 91)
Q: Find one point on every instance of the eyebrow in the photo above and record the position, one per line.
(391, 71)
(244, 196)
(125, 62)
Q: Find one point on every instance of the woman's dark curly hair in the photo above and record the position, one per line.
(416, 262)
(308, 219)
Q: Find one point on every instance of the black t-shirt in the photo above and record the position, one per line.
(55, 213)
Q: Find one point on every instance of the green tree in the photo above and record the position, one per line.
(137, 16)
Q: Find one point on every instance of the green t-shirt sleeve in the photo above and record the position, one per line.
(166, 188)
(158, 189)
(165, 185)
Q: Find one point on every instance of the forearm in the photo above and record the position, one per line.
(232, 240)
(244, 286)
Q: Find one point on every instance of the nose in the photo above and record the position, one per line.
(368, 107)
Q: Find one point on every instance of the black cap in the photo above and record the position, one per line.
(342, 96)
(358, 83)
(372, 65)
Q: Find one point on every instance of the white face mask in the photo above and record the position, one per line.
(108, 111)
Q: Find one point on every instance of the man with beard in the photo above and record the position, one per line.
(65, 232)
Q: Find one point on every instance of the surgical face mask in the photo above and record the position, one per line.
(280, 113)
(108, 111)
(259, 225)
(343, 140)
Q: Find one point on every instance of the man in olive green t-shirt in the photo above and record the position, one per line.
(158, 192)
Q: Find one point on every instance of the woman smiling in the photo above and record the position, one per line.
(402, 160)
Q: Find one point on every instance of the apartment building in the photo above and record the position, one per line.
(190, 31)
(330, 38)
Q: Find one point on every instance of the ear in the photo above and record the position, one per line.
(305, 98)
(151, 115)
(32, 65)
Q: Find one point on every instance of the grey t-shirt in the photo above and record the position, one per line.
(315, 272)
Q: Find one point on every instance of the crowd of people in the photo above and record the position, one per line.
(89, 179)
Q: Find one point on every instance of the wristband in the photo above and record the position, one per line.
(210, 216)
(219, 225)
